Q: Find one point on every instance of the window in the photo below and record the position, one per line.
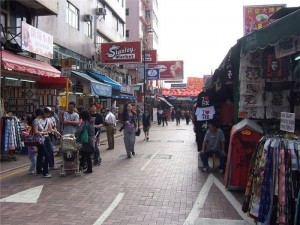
(72, 16)
(88, 29)
(127, 12)
(148, 14)
(127, 33)
(100, 39)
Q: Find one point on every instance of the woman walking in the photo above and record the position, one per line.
(88, 148)
(43, 157)
(130, 123)
(146, 124)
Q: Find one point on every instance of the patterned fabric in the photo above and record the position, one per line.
(257, 184)
(267, 189)
(281, 188)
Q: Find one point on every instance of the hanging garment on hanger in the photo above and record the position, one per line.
(267, 187)
(257, 184)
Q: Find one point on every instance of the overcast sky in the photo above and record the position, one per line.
(201, 32)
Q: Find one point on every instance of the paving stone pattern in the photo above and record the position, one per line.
(164, 192)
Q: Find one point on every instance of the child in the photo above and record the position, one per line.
(32, 152)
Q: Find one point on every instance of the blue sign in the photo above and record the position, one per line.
(152, 74)
(101, 89)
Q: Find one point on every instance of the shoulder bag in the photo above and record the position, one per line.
(83, 137)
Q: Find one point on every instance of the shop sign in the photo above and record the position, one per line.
(257, 16)
(169, 69)
(152, 74)
(183, 86)
(195, 83)
(66, 67)
(150, 56)
(287, 122)
(37, 41)
(121, 52)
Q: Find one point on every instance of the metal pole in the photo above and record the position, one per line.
(144, 58)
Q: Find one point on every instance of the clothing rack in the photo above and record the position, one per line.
(11, 142)
(273, 183)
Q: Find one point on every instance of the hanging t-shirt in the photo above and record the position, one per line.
(205, 99)
(277, 99)
(251, 101)
(205, 113)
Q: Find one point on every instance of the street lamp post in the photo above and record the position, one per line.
(145, 85)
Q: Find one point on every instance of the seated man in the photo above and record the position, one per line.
(213, 143)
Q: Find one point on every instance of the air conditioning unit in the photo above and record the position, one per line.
(101, 12)
(88, 18)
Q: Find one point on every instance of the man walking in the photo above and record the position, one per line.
(110, 121)
(213, 143)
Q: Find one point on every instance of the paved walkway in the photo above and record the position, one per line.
(160, 185)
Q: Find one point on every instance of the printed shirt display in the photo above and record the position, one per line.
(205, 113)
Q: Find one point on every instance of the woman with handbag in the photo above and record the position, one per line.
(85, 134)
(130, 123)
(43, 157)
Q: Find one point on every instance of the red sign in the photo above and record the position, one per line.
(150, 55)
(257, 16)
(169, 69)
(121, 52)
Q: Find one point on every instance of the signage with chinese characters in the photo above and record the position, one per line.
(66, 67)
(257, 16)
(121, 52)
(152, 74)
(37, 41)
(287, 122)
(150, 56)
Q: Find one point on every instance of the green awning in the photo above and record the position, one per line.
(269, 35)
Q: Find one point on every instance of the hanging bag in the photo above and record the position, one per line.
(33, 139)
(83, 137)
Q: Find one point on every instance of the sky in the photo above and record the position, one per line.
(201, 32)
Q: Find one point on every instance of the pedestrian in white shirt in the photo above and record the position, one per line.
(110, 122)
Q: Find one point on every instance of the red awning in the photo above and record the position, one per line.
(12, 61)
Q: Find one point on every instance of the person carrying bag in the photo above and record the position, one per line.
(85, 135)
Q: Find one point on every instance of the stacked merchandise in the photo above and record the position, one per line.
(272, 192)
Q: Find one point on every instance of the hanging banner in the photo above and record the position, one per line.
(121, 52)
(169, 69)
(257, 16)
(152, 74)
(36, 41)
(150, 56)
